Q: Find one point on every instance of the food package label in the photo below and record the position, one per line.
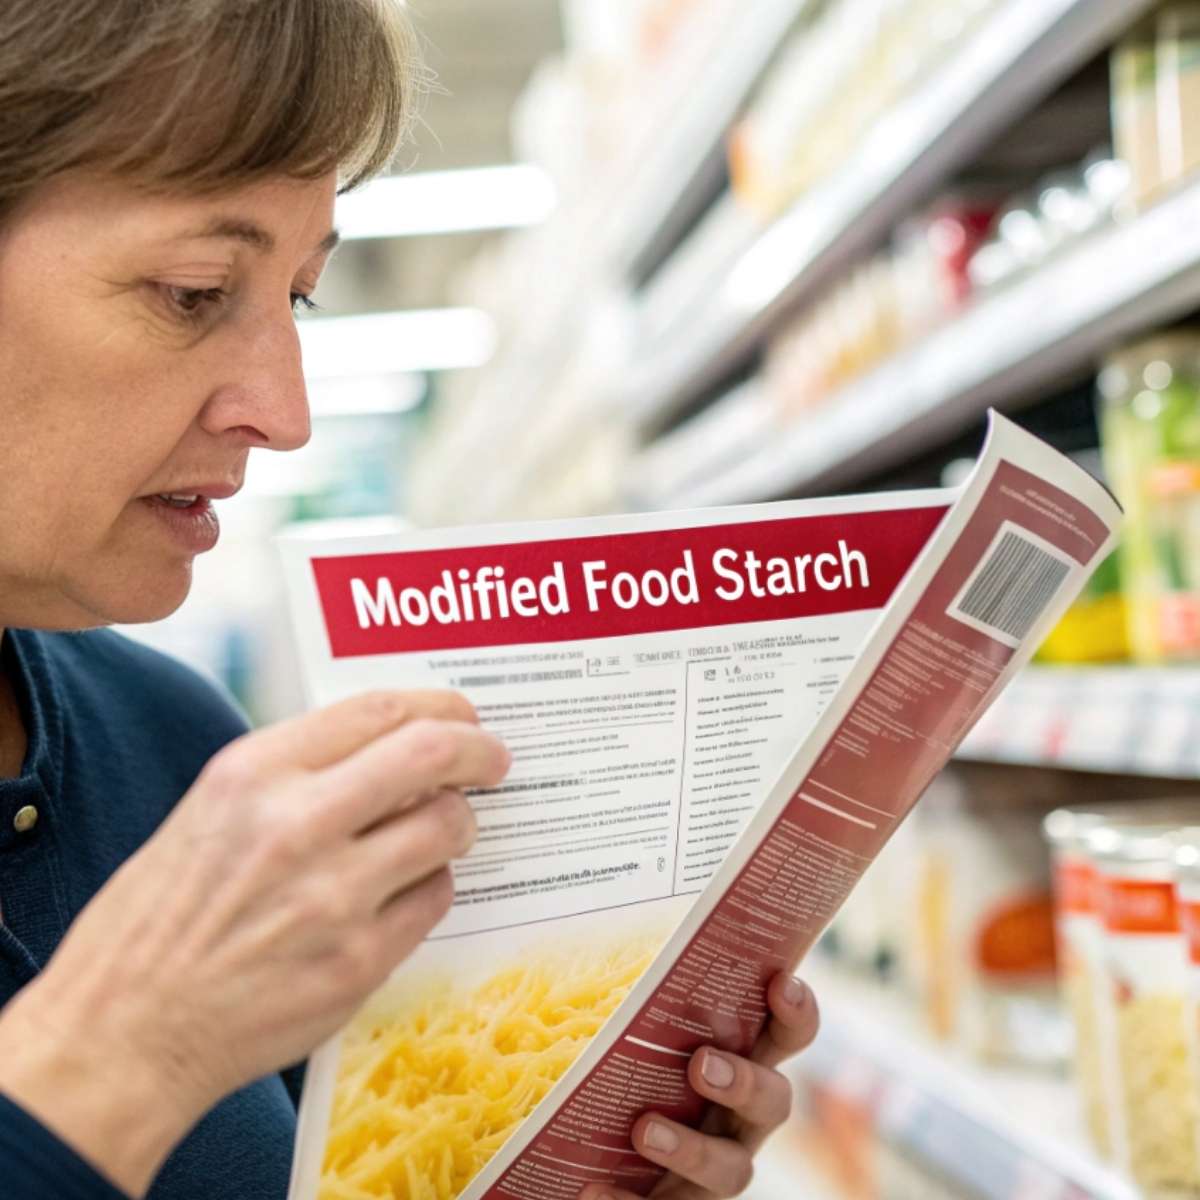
(717, 720)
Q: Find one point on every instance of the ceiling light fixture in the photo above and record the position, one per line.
(390, 343)
(501, 197)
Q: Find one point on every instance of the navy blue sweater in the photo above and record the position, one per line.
(117, 734)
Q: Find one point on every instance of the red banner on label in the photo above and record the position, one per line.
(1074, 886)
(1138, 906)
(617, 585)
(1189, 920)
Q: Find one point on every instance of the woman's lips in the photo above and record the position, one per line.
(194, 528)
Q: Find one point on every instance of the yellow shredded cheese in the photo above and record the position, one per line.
(430, 1087)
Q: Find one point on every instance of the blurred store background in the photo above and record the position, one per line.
(665, 253)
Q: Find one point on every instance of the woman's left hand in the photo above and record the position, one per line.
(754, 1099)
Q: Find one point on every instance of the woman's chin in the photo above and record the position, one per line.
(138, 598)
(155, 602)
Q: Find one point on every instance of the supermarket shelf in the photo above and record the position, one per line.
(1015, 57)
(1001, 351)
(1123, 720)
(997, 1133)
(654, 204)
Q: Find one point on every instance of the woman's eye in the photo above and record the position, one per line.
(191, 302)
(303, 303)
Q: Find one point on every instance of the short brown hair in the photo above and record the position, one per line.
(201, 93)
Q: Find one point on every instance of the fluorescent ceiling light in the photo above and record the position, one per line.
(390, 343)
(365, 395)
(501, 197)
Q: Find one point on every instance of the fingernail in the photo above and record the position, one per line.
(795, 992)
(716, 1070)
(661, 1138)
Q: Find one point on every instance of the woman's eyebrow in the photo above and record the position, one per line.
(250, 233)
(328, 242)
(237, 229)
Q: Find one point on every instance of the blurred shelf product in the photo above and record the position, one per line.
(652, 87)
(833, 81)
(689, 139)
(1150, 430)
(1143, 987)
(1121, 720)
(990, 1133)
(1014, 55)
(1080, 933)
(1156, 98)
(981, 954)
(1041, 328)
(883, 306)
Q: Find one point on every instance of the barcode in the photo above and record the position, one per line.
(1011, 587)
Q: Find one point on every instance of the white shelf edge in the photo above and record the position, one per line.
(1030, 334)
(1122, 720)
(1052, 1160)
(1016, 55)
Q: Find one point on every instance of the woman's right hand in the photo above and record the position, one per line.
(307, 860)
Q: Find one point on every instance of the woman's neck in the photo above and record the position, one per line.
(12, 727)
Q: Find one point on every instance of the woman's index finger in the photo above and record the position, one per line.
(325, 736)
(394, 771)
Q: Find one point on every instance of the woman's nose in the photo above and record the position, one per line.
(263, 392)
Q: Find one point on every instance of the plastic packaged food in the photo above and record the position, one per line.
(1080, 959)
(1154, 1097)
(1150, 430)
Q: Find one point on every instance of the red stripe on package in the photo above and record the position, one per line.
(1075, 886)
(1138, 906)
(617, 585)
(1189, 920)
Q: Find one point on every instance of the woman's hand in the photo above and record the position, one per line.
(754, 1099)
(305, 863)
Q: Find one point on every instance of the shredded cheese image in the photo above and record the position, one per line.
(1159, 1101)
(432, 1081)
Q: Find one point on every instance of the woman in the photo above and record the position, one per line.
(188, 908)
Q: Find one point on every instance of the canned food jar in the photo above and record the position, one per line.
(1080, 960)
(1187, 896)
(1152, 1095)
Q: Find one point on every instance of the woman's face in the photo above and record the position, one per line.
(147, 344)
